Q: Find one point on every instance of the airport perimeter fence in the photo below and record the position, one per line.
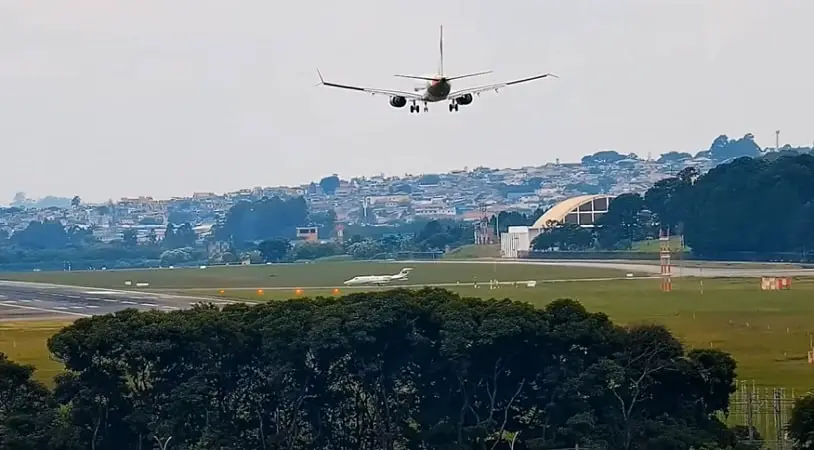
(764, 410)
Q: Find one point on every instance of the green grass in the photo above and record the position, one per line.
(474, 252)
(305, 275)
(26, 343)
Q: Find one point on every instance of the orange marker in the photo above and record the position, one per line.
(259, 292)
(222, 292)
(298, 291)
(336, 291)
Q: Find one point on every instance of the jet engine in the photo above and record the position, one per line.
(464, 99)
(398, 101)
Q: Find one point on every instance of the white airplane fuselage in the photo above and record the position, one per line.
(437, 91)
(377, 279)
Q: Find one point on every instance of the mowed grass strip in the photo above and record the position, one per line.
(308, 275)
(26, 342)
(768, 332)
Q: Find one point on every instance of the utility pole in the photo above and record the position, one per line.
(777, 140)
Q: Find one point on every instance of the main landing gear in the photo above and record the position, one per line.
(453, 106)
(414, 108)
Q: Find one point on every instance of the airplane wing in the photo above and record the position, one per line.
(495, 87)
(390, 92)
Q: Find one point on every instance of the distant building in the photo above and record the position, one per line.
(308, 234)
(583, 210)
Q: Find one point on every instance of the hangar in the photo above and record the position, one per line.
(583, 210)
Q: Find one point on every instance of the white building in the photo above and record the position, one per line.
(517, 239)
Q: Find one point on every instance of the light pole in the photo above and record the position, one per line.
(164, 445)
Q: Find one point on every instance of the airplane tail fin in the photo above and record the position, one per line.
(441, 51)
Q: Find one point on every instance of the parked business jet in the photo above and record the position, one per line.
(436, 89)
(379, 279)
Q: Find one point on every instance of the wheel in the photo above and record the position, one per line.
(456, 107)
(412, 109)
(451, 107)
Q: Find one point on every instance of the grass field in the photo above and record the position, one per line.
(25, 343)
(474, 251)
(306, 275)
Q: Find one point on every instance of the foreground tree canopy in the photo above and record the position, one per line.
(388, 370)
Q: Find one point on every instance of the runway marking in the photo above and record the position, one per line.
(128, 302)
(91, 306)
(60, 307)
(76, 307)
(148, 304)
(34, 308)
(74, 296)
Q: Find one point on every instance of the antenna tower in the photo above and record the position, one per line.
(666, 265)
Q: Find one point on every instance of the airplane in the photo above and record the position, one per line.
(379, 279)
(436, 89)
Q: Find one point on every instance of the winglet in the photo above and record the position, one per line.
(321, 80)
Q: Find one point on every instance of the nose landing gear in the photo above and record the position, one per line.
(415, 108)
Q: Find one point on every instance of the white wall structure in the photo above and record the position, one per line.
(517, 239)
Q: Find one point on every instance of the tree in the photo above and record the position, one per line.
(563, 236)
(27, 410)
(801, 423)
(274, 249)
(263, 219)
(76, 201)
(622, 224)
(130, 237)
(329, 184)
(419, 369)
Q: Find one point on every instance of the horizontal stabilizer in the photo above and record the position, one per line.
(414, 77)
(458, 77)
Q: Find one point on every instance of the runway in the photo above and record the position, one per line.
(36, 301)
(646, 268)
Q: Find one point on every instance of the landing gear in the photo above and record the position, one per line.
(453, 106)
(426, 108)
(414, 108)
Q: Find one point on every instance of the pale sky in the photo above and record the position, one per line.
(105, 98)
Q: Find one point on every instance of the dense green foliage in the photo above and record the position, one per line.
(385, 370)
(749, 208)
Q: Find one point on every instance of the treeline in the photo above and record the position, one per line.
(396, 369)
(750, 208)
(432, 237)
